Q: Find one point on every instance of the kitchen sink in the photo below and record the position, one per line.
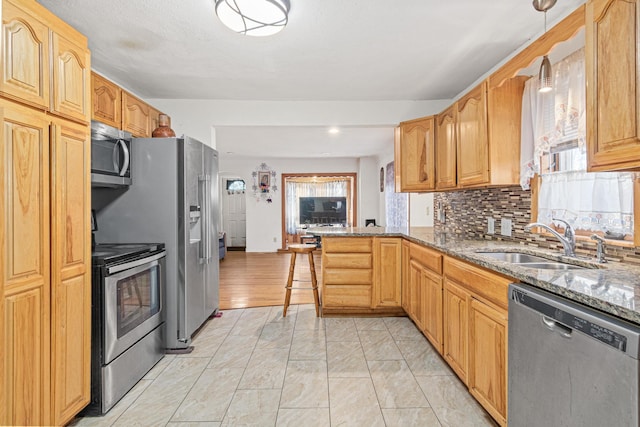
(550, 265)
(530, 261)
(514, 257)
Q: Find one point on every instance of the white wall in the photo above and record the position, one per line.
(368, 190)
(264, 220)
(421, 209)
(197, 118)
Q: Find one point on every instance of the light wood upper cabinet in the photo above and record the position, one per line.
(446, 149)
(414, 155)
(25, 266)
(488, 358)
(106, 101)
(70, 268)
(504, 117)
(472, 137)
(387, 277)
(612, 55)
(71, 72)
(46, 62)
(25, 53)
(135, 116)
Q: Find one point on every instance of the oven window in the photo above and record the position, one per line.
(138, 299)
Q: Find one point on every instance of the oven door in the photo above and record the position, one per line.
(132, 303)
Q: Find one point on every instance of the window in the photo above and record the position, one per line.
(236, 185)
(553, 135)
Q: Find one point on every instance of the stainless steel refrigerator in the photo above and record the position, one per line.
(173, 200)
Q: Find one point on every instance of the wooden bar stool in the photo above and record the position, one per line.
(301, 248)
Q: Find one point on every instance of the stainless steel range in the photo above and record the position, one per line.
(127, 318)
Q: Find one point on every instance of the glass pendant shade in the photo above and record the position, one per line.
(253, 17)
(544, 76)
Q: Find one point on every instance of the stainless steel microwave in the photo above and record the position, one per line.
(110, 156)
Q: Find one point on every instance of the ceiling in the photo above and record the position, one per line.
(331, 50)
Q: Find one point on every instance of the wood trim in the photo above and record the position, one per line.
(352, 195)
(564, 30)
(636, 212)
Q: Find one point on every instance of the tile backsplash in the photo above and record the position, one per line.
(466, 212)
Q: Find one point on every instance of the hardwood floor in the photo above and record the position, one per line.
(258, 279)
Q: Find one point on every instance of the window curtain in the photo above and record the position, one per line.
(549, 119)
(589, 201)
(295, 190)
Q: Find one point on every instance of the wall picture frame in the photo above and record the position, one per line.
(264, 181)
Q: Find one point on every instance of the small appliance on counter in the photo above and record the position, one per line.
(110, 156)
(127, 325)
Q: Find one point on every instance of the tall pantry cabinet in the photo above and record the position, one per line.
(45, 251)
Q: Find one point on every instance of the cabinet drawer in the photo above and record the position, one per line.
(347, 244)
(334, 260)
(491, 286)
(347, 276)
(429, 258)
(346, 296)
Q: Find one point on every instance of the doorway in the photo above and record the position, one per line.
(234, 213)
(333, 194)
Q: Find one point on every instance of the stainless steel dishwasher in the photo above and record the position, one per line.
(569, 365)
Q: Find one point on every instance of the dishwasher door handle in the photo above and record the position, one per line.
(554, 326)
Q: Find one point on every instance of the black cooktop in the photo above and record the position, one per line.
(111, 253)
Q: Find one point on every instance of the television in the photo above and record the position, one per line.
(323, 210)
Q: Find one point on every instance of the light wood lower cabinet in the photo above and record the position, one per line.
(456, 327)
(45, 263)
(475, 313)
(387, 272)
(70, 270)
(362, 275)
(425, 292)
(406, 274)
(488, 358)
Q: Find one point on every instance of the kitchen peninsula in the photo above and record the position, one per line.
(456, 292)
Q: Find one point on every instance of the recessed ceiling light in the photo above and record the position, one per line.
(326, 154)
(334, 130)
(229, 152)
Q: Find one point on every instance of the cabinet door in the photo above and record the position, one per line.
(135, 116)
(25, 54)
(488, 358)
(106, 101)
(472, 138)
(446, 149)
(612, 56)
(387, 281)
(70, 271)
(432, 302)
(406, 274)
(25, 267)
(415, 155)
(416, 306)
(71, 71)
(456, 326)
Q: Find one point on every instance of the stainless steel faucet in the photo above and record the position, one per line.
(568, 240)
(600, 250)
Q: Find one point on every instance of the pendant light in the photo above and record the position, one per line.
(544, 76)
(253, 17)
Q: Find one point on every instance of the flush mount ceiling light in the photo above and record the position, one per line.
(253, 17)
(544, 76)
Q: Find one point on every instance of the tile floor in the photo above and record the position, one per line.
(254, 367)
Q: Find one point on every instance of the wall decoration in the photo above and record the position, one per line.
(382, 180)
(264, 185)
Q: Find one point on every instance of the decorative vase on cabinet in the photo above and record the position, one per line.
(163, 130)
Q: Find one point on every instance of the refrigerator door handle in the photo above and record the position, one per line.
(208, 219)
(202, 250)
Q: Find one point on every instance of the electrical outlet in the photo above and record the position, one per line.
(505, 227)
(428, 211)
(275, 239)
(491, 225)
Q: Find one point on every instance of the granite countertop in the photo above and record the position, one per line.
(613, 288)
